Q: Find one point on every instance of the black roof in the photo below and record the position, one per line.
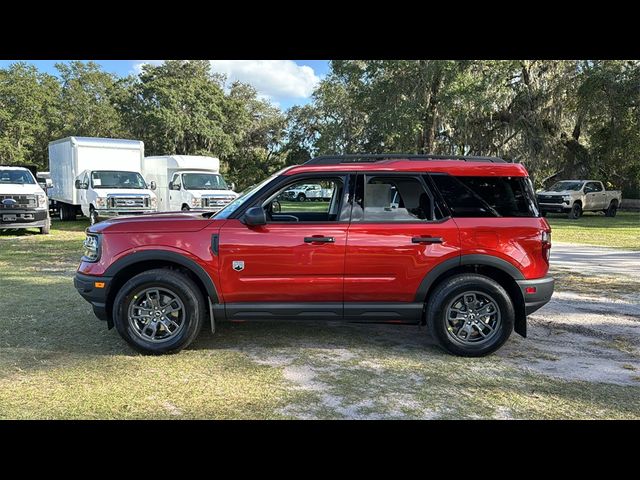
(378, 157)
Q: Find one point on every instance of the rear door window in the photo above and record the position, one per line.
(487, 196)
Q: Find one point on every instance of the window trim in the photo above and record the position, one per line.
(418, 175)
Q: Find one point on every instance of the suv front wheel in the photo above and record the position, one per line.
(470, 315)
(159, 311)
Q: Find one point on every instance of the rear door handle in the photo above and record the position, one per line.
(319, 240)
(426, 240)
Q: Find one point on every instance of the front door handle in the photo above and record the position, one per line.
(319, 240)
(426, 240)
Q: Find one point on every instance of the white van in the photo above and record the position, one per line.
(186, 182)
(101, 177)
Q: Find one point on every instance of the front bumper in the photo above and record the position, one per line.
(23, 218)
(97, 297)
(541, 292)
(555, 207)
(116, 213)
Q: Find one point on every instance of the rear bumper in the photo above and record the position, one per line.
(539, 297)
(97, 297)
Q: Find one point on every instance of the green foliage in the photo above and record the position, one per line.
(562, 119)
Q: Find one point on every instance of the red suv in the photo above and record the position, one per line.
(456, 243)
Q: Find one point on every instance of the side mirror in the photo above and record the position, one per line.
(81, 186)
(276, 206)
(153, 185)
(233, 186)
(254, 217)
(48, 182)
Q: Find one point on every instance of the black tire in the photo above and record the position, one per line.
(185, 208)
(455, 287)
(93, 217)
(46, 230)
(576, 211)
(62, 211)
(184, 288)
(302, 197)
(612, 210)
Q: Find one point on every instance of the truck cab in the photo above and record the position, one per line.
(187, 182)
(23, 203)
(109, 193)
(199, 189)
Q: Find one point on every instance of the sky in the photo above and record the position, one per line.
(284, 82)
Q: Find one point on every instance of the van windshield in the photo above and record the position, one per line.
(20, 177)
(203, 181)
(114, 179)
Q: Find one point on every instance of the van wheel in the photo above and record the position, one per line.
(159, 311)
(185, 208)
(612, 210)
(93, 217)
(470, 315)
(576, 211)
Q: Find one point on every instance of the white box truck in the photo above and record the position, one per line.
(101, 177)
(186, 182)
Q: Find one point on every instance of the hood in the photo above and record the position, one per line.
(155, 223)
(20, 189)
(564, 192)
(103, 192)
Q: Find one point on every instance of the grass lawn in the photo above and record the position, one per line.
(622, 231)
(58, 361)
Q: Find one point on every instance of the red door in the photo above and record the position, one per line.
(394, 239)
(281, 262)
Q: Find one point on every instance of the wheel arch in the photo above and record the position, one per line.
(135, 263)
(495, 268)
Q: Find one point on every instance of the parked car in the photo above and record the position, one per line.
(23, 203)
(456, 243)
(185, 182)
(99, 177)
(576, 196)
(303, 193)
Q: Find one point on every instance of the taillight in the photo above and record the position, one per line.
(545, 238)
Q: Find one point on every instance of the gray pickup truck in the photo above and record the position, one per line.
(576, 196)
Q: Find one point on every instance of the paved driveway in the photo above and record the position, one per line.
(590, 260)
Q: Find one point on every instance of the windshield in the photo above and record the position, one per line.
(203, 181)
(20, 177)
(109, 179)
(566, 185)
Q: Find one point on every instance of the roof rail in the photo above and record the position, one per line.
(378, 157)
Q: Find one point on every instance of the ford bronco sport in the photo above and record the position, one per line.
(456, 243)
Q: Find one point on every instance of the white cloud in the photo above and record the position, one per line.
(274, 79)
(137, 67)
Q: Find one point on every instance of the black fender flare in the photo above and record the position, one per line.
(472, 259)
(165, 255)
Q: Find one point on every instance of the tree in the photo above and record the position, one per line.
(28, 110)
(87, 100)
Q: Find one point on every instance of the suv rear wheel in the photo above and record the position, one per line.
(470, 315)
(159, 311)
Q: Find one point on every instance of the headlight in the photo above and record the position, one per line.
(196, 202)
(42, 201)
(91, 248)
(154, 202)
(101, 202)
(566, 198)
